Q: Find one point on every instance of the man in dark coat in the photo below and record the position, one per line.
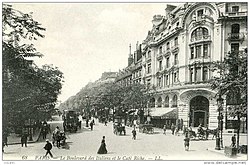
(233, 141)
(91, 125)
(48, 147)
(24, 139)
(134, 134)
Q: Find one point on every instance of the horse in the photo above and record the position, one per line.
(213, 132)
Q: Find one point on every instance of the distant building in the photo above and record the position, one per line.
(107, 77)
(176, 55)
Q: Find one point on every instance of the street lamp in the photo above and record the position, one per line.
(219, 141)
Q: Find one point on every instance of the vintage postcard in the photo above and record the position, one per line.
(124, 81)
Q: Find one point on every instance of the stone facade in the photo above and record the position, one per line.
(177, 53)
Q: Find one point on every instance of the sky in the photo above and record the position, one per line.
(86, 39)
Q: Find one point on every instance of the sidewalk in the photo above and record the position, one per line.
(239, 156)
(16, 138)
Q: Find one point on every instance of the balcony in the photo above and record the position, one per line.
(202, 38)
(236, 14)
(236, 37)
(167, 53)
(175, 48)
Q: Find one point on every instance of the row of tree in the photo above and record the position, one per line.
(29, 92)
(106, 97)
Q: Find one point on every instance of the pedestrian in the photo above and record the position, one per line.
(164, 129)
(44, 129)
(233, 141)
(105, 122)
(57, 136)
(93, 121)
(102, 149)
(186, 142)
(87, 122)
(172, 128)
(134, 134)
(91, 125)
(24, 139)
(48, 147)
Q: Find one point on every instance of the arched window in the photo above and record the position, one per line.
(159, 102)
(152, 103)
(160, 49)
(199, 33)
(176, 41)
(174, 101)
(149, 54)
(167, 101)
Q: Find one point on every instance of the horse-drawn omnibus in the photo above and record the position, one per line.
(71, 121)
(119, 125)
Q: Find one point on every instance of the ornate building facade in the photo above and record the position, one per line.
(177, 53)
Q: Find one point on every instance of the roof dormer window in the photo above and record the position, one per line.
(235, 9)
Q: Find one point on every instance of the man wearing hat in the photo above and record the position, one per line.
(48, 147)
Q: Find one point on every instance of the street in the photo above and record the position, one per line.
(84, 144)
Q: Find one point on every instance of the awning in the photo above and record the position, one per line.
(163, 113)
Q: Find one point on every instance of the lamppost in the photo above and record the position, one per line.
(219, 140)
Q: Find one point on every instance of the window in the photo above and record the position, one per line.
(177, 24)
(174, 101)
(166, 80)
(152, 103)
(235, 30)
(160, 65)
(192, 52)
(168, 45)
(176, 41)
(175, 77)
(159, 82)
(198, 51)
(167, 62)
(191, 74)
(167, 101)
(149, 54)
(160, 49)
(205, 73)
(200, 13)
(148, 82)
(159, 102)
(235, 47)
(199, 33)
(175, 59)
(198, 74)
(149, 68)
(205, 50)
(235, 9)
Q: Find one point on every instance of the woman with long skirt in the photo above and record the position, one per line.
(102, 149)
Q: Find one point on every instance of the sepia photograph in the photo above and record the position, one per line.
(124, 81)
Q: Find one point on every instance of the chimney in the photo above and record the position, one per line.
(130, 56)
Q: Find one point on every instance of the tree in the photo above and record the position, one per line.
(232, 80)
(27, 89)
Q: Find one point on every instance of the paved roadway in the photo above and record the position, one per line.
(85, 143)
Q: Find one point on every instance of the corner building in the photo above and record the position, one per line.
(177, 55)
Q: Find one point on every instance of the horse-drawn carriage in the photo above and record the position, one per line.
(119, 125)
(146, 128)
(71, 121)
(202, 134)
